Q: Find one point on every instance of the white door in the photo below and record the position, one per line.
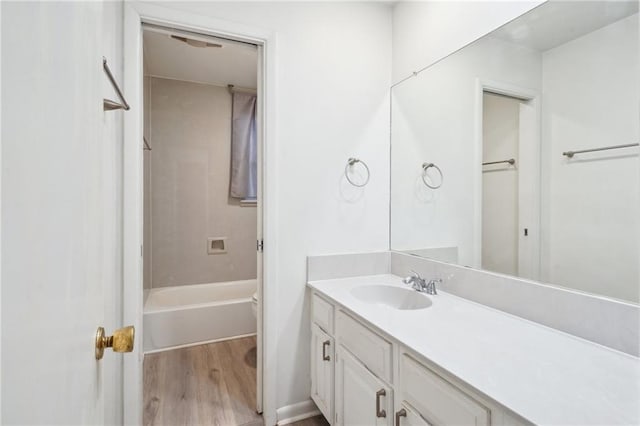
(322, 362)
(132, 218)
(361, 398)
(53, 216)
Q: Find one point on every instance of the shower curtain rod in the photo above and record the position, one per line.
(234, 89)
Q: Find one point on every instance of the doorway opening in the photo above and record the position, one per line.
(201, 224)
(500, 176)
(509, 181)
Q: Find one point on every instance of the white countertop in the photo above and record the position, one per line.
(544, 375)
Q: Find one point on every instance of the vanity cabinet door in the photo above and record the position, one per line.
(406, 415)
(361, 398)
(436, 399)
(322, 369)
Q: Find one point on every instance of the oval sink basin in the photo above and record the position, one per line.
(393, 297)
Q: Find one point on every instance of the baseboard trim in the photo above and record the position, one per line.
(295, 412)
(205, 342)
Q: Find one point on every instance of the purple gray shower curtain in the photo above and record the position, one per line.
(244, 149)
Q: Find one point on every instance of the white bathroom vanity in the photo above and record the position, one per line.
(377, 360)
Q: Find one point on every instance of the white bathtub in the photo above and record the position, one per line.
(194, 314)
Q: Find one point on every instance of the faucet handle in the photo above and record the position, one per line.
(411, 278)
(431, 286)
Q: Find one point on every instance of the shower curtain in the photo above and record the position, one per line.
(244, 150)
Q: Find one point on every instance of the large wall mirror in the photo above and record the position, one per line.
(518, 154)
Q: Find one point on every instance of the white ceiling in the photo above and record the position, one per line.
(555, 23)
(234, 63)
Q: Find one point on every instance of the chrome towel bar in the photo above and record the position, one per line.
(570, 154)
(108, 104)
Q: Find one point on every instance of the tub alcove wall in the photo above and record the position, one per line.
(192, 296)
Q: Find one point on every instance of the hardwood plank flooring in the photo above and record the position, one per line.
(312, 421)
(213, 384)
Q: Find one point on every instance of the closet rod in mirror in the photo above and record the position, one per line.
(511, 161)
(570, 154)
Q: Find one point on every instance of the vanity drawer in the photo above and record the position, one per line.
(322, 312)
(437, 400)
(372, 350)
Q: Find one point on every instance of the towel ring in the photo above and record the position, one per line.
(350, 163)
(427, 166)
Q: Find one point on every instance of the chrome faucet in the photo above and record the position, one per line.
(431, 286)
(415, 280)
(420, 284)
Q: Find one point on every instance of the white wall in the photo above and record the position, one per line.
(434, 120)
(333, 74)
(190, 126)
(593, 201)
(425, 31)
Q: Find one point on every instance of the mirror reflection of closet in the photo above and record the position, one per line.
(562, 78)
(500, 176)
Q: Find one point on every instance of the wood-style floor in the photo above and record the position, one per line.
(313, 421)
(212, 384)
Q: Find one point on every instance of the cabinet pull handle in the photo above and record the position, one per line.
(401, 413)
(379, 412)
(325, 357)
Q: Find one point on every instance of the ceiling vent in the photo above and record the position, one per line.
(195, 43)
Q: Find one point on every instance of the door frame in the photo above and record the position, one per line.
(135, 14)
(532, 98)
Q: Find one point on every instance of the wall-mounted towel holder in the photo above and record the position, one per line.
(425, 168)
(350, 163)
(108, 104)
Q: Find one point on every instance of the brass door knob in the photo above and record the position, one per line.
(121, 341)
